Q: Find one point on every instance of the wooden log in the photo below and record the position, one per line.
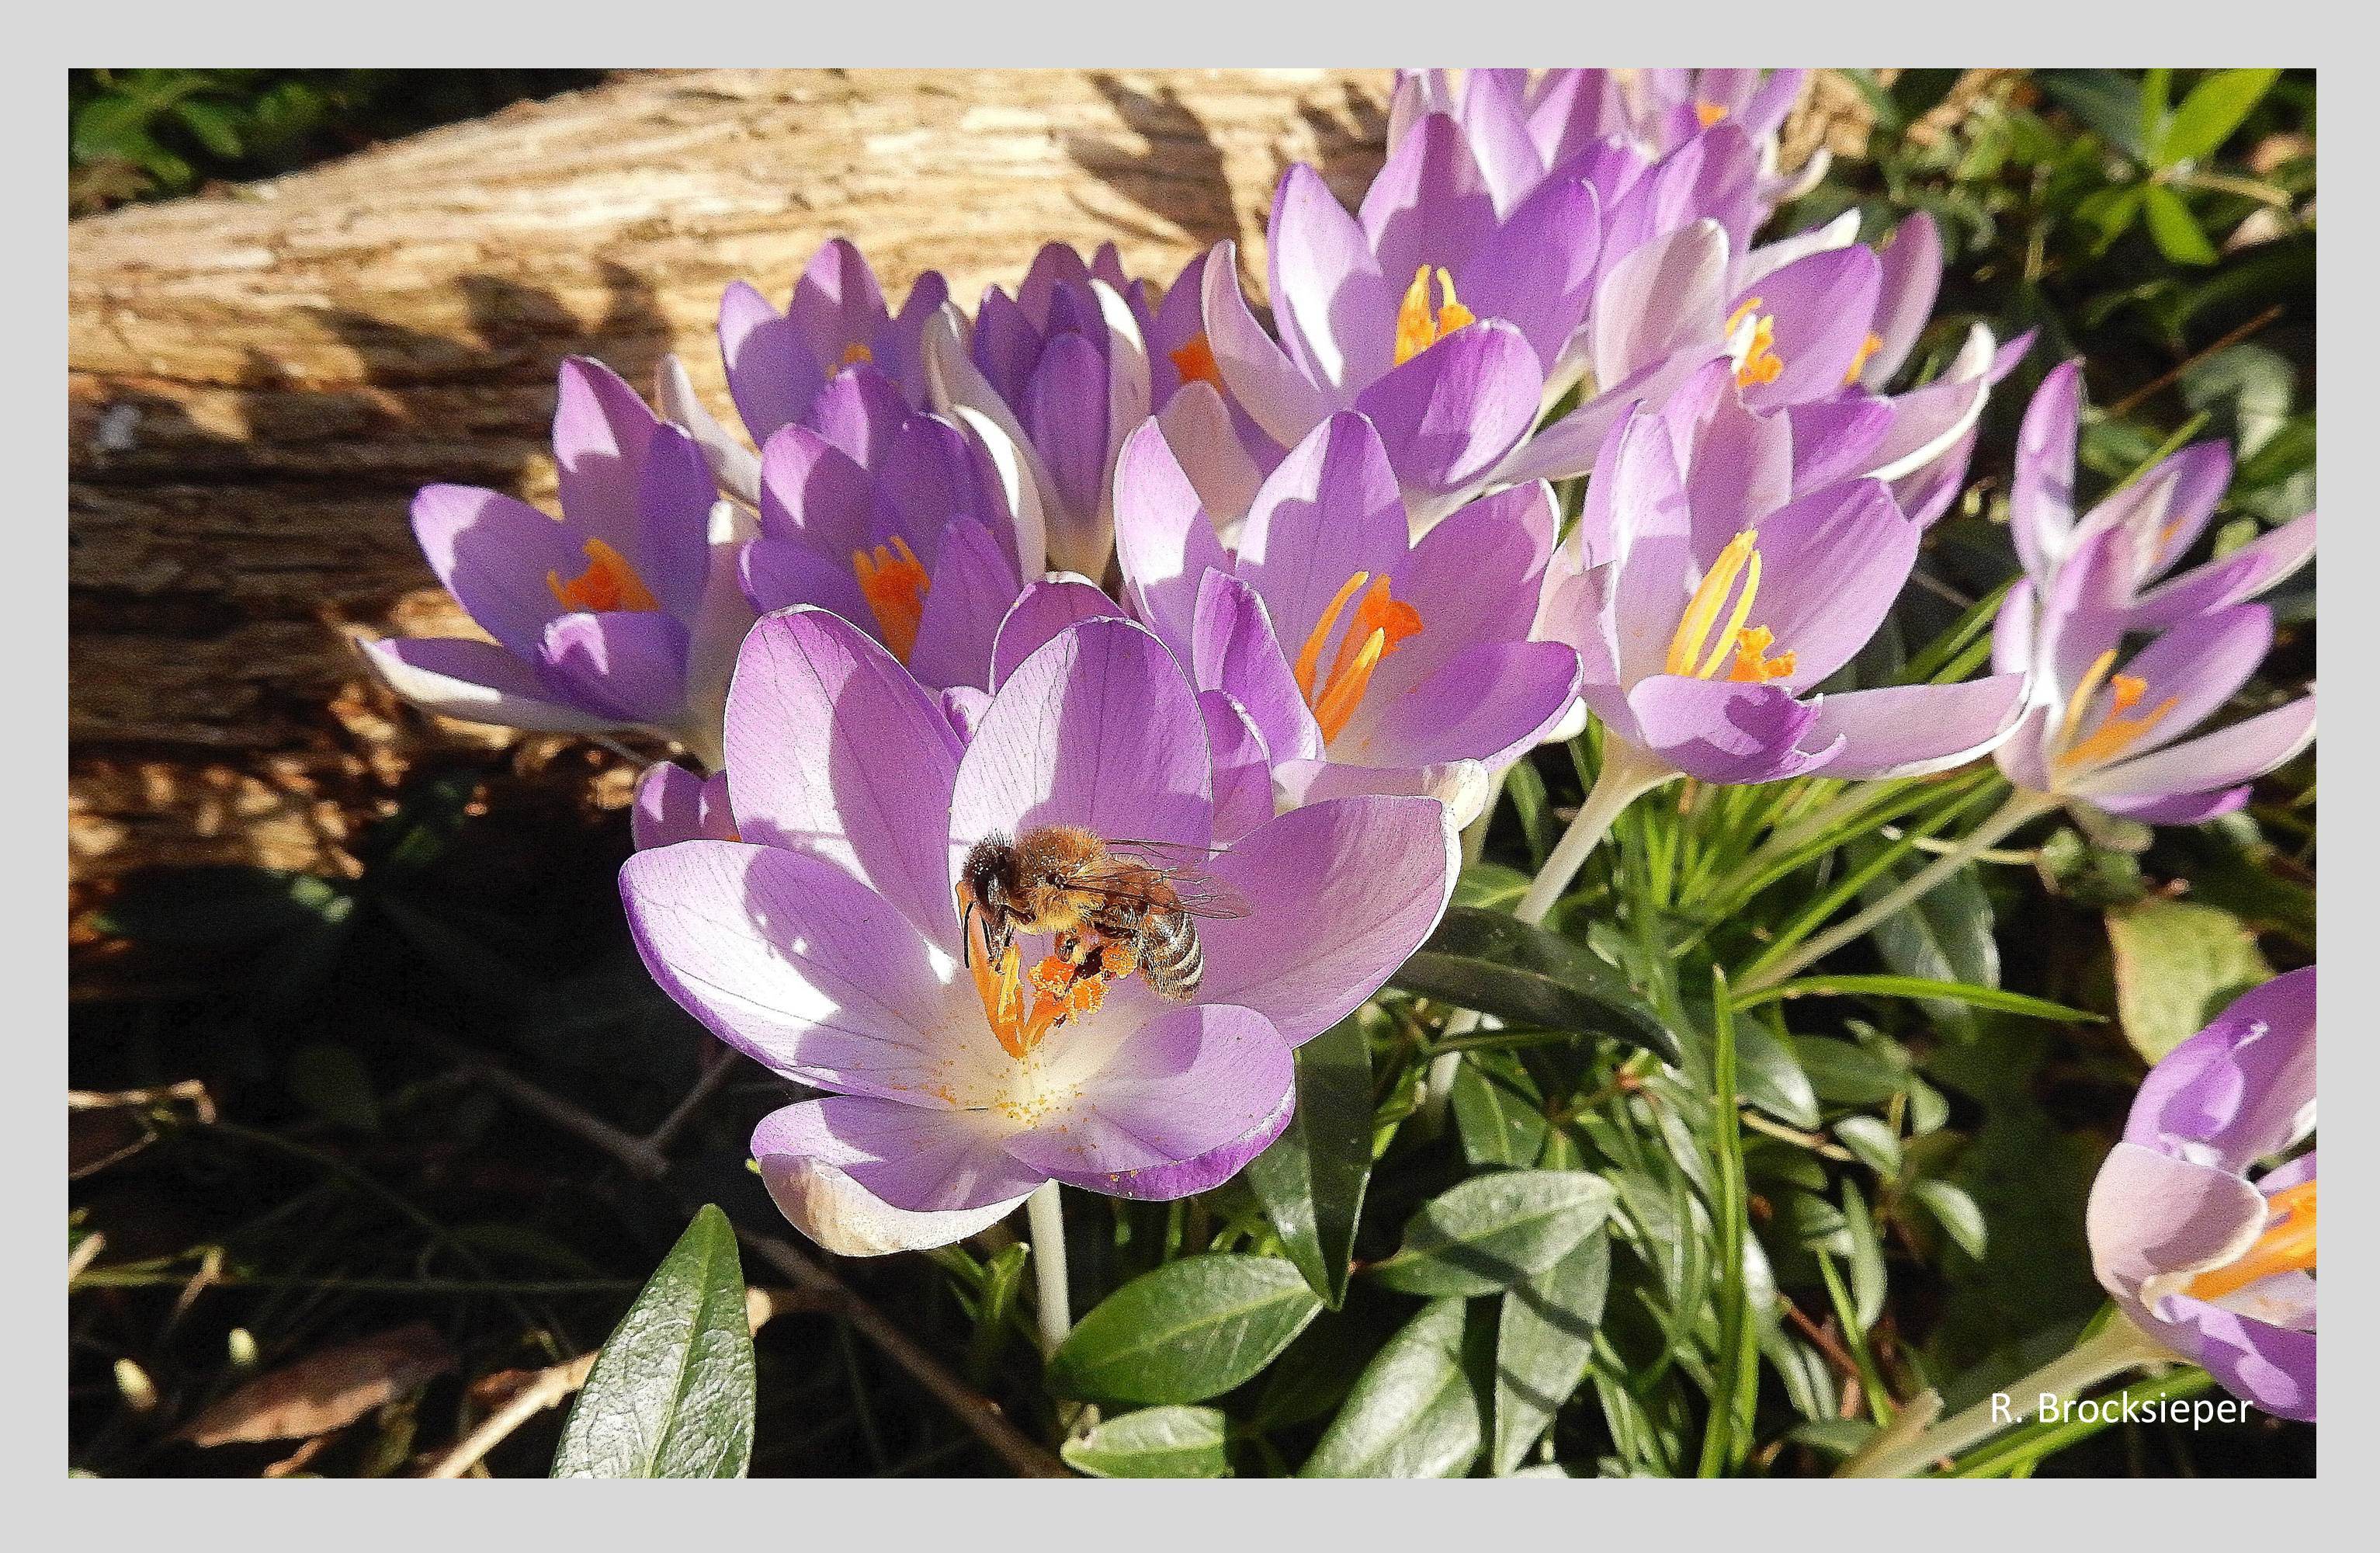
(259, 382)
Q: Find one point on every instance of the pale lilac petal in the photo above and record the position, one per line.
(1263, 380)
(817, 1198)
(1451, 413)
(1162, 1183)
(783, 573)
(1060, 413)
(2270, 1366)
(1233, 649)
(1165, 542)
(2255, 568)
(1464, 787)
(1336, 314)
(860, 411)
(1475, 576)
(2152, 1213)
(2243, 1088)
(1912, 730)
(1344, 891)
(2185, 809)
(1913, 277)
(632, 664)
(813, 491)
(949, 1165)
(1496, 126)
(2041, 502)
(1223, 452)
(973, 583)
(1332, 509)
(837, 305)
(1833, 563)
(838, 752)
(1741, 470)
(2168, 508)
(495, 554)
(1490, 701)
(1723, 732)
(478, 682)
(1821, 306)
(1099, 728)
(1538, 271)
(1658, 302)
(733, 465)
(1428, 205)
(1242, 770)
(1041, 612)
(673, 804)
(770, 375)
(1836, 439)
(792, 962)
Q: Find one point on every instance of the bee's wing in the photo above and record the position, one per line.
(1196, 892)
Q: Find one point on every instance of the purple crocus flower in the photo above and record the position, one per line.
(1358, 659)
(1434, 311)
(2203, 1249)
(1221, 448)
(1061, 373)
(777, 363)
(827, 943)
(897, 521)
(2160, 516)
(1704, 624)
(624, 613)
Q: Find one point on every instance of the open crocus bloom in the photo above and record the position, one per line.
(827, 943)
(2109, 730)
(1221, 448)
(1703, 626)
(1060, 371)
(1435, 309)
(624, 613)
(1357, 659)
(2160, 516)
(897, 521)
(2203, 1249)
(777, 363)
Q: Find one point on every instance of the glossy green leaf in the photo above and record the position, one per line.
(1526, 975)
(1311, 1181)
(1867, 1257)
(1413, 1411)
(2213, 108)
(671, 1395)
(1955, 1212)
(1498, 1111)
(2176, 965)
(1943, 935)
(1772, 1077)
(1493, 1230)
(1186, 1331)
(2173, 228)
(1877, 1146)
(1154, 1442)
(1545, 1337)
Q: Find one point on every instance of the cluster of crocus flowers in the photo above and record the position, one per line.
(2202, 1219)
(2114, 725)
(827, 944)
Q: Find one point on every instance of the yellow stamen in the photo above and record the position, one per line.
(1196, 362)
(1710, 597)
(2116, 732)
(2286, 1246)
(1868, 346)
(1759, 362)
(1417, 328)
(608, 584)
(1733, 630)
(1381, 621)
(1709, 113)
(855, 353)
(894, 582)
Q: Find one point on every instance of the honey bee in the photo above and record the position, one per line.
(1131, 904)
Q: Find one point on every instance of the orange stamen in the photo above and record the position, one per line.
(1758, 362)
(1868, 346)
(1753, 665)
(894, 582)
(2116, 732)
(855, 353)
(1709, 113)
(1195, 362)
(1381, 621)
(2286, 1246)
(1417, 327)
(608, 584)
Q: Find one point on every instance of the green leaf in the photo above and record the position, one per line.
(1943, 935)
(2174, 229)
(2156, 99)
(2214, 107)
(1413, 1411)
(1545, 1337)
(1498, 1111)
(1186, 1331)
(216, 126)
(1493, 1230)
(1918, 988)
(1490, 887)
(1773, 1078)
(670, 1394)
(1876, 1146)
(1311, 1181)
(1955, 1212)
(1154, 1442)
(1526, 975)
(2178, 963)
(1867, 1257)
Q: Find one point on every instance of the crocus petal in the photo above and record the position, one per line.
(2265, 1365)
(1165, 543)
(736, 467)
(784, 573)
(1929, 422)
(2240, 1090)
(673, 804)
(1428, 205)
(1661, 298)
(1911, 731)
(1475, 578)
(495, 554)
(1538, 271)
(1219, 452)
(1821, 306)
(1242, 771)
(1833, 563)
(770, 376)
(813, 491)
(1490, 703)
(1913, 276)
(1335, 316)
(1464, 787)
(1345, 890)
(2254, 568)
(2183, 809)
(1264, 381)
(2041, 502)
(860, 411)
(837, 304)
(974, 584)
(1449, 415)
(817, 1198)
(791, 960)
(478, 682)
(1332, 509)
(1233, 649)
(948, 1167)
(1041, 612)
(814, 711)
(2152, 1213)
(1721, 732)
(630, 663)
(1099, 728)
(1189, 1080)
(1162, 1183)
(1836, 439)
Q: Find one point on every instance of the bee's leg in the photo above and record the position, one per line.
(1118, 958)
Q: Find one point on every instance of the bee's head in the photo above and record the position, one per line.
(990, 873)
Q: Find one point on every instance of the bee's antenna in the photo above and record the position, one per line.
(966, 935)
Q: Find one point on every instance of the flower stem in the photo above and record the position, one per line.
(2118, 1347)
(1627, 775)
(2022, 806)
(1044, 1223)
